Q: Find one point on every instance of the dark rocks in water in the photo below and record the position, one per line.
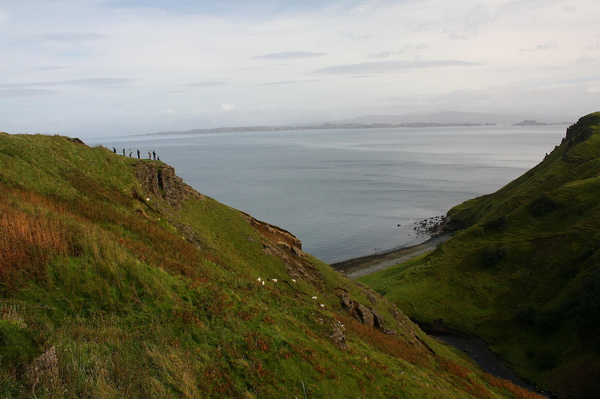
(432, 226)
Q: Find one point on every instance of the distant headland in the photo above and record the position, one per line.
(531, 122)
(323, 126)
(429, 120)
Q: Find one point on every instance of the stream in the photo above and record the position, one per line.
(477, 350)
(474, 347)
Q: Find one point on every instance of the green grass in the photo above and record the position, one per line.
(109, 290)
(523, 272)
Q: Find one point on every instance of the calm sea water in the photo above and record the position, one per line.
(344, 193)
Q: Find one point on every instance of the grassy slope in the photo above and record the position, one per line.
(108, 289)
(524, 272)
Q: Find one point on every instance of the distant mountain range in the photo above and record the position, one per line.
(438, 119)
(460, 118)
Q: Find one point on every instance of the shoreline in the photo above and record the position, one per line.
(368, 264)
(474, 347)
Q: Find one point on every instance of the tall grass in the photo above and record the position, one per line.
(137, 299)
(27, 243)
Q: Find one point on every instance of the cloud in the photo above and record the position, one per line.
(52, 68)
(205, 84)
(283, 82)
(594, 89)
(585, 60)
(73, 38)
(289, 82)
(103, 83)
(388, 67)
(289, 55)
(88, 82)
(202, 55)
(409, 48)
(541, 47)
(8, 93)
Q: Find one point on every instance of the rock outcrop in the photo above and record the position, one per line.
(160, 180)
(362, 313)
(285, 246)
(338, 335)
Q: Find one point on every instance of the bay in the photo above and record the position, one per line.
(349, 192)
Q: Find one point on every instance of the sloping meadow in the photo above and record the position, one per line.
(119, 280)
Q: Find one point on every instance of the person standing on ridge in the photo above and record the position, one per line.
(138, 151)
(154, 155)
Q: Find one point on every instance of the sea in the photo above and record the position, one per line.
(347, 193)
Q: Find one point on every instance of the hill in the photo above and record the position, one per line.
(523, 269)
(453, 118)
(117, 280)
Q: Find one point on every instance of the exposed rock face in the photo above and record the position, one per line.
(285, 246)
(338, 337)
(284, 238)
(365, 315)
(189, 234)
(76, 141)
(160, 180)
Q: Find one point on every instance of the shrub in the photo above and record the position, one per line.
(497, 224)
(587, 305)
(548, 322)
(16, 344)
(493, 255)
(542, 206)
(590, 392)
(546, 360)
(525, 314)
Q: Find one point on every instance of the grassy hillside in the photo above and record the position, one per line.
(117, 280)
(523, 271)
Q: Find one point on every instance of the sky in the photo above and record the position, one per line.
(118, 67)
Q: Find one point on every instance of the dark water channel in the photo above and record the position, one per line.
(477, 350)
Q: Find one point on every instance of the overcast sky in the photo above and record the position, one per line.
(112, 67)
